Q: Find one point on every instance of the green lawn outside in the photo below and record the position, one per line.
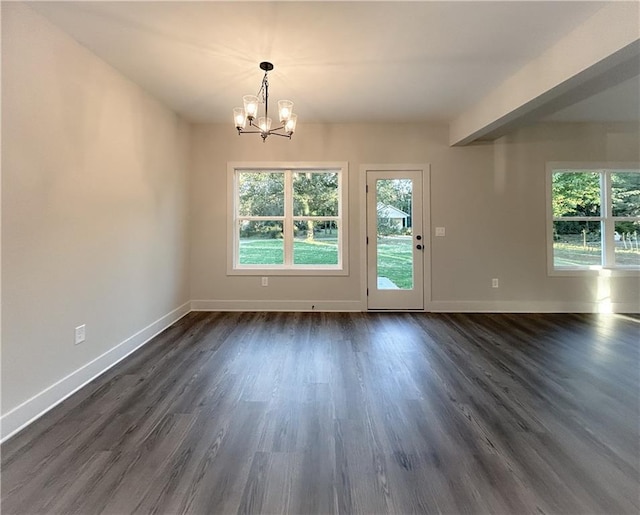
(394, 255)
(566, 254)
(317, 252)
(259, 251)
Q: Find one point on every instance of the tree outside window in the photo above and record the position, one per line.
(595, 218)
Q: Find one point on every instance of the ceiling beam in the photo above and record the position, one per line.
(600, 53)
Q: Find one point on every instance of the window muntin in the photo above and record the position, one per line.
(595, 219)
(288, 219)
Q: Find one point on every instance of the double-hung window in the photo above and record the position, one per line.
(288, 218)
(594, 217)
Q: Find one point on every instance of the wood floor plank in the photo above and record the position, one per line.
(348, 413)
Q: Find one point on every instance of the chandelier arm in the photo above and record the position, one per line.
(271, 133)
(244, 131)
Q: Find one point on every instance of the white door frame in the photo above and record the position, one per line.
(426, 223)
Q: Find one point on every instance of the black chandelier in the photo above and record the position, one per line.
(249, 113)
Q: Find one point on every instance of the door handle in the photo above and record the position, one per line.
(418, 237)
(419, 247)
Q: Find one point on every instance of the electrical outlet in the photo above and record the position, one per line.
(265, 281)
(495, 283)
(80, 334)
(440, 231)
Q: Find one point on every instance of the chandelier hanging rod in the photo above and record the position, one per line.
(248, 114)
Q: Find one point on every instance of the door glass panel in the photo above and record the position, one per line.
(394, 234)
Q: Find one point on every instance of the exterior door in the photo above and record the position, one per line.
(395, 240)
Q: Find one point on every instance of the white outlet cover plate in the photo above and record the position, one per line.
(80, 334)
(440, 231)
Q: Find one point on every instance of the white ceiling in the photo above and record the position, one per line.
(338, 61)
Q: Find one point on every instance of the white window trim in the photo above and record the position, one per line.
(307, 270)
(608, 220)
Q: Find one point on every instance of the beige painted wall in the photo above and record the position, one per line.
(94, 206)
(490, 198)
(214, 145)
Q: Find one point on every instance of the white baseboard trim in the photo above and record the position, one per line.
(277, 305)
(21, 416)
(519, 306)
(444, 306)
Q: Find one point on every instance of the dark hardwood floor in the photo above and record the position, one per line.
(348, 413)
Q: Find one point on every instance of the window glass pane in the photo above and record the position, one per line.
(627, 250)
(315, 194)
(261, 242)
(576, 194)
(577, 244)
(315, 242)
(625, 192)
(261, 193)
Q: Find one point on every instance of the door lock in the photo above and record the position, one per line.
(419, 247)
